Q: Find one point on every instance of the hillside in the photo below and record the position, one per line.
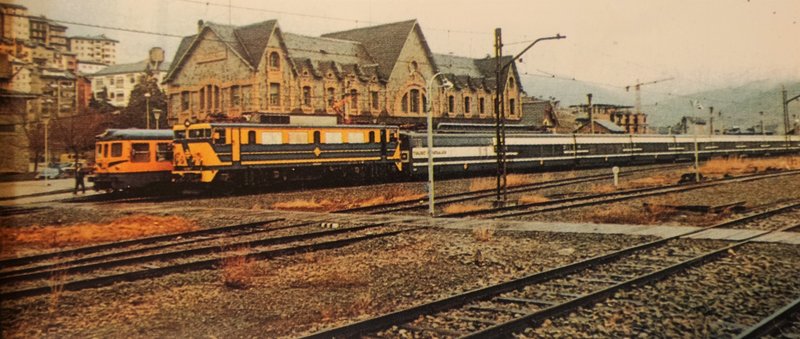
(739, 104)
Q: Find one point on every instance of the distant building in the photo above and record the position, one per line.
(14, 22)
(600, 127)
(376, 74)
(691, 125)
(13, 110)
(540, 113)
(117, 81)
(98, 49)
(622, 116)
(89, 67)
(48, 33)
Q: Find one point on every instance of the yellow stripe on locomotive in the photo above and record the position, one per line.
(206, 149)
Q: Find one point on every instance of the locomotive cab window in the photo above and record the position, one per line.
(199, 133)
(251, 137)
(219, 136)
(372, 136)
(180, 135)
(99, 150)
(140, 152)
(105, 150)
(164, 152)
(316, 137)
(116, 149)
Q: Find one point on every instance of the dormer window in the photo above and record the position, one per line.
(274, 60)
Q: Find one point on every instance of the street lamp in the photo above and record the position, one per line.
(46, 121)
(499, 106)
(147, 112)
(157, 115)
(446, 84)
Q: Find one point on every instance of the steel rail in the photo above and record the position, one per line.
(140, 241)
(422, 203)
(612, 196)
(128, 253)
(458, 300)
(772, 322)
(510, 326)
(180, 254)
(191, 266)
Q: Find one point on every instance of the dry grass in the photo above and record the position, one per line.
(512, 180)
(658, 180)
(388, 195)
(238, 271)
(460, 208)
(653, 211)
(601, 188)
(748, 165)
(483, 234)
(56, 284)
(17, 240)
(532, 198)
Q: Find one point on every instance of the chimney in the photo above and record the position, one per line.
(200, 25)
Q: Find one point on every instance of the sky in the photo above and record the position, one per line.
(700, 44)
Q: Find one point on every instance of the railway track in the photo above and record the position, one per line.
(130, 266)
(603, 198)
(784, 323)
(417, 204)
(501, 309)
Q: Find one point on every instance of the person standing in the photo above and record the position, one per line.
(79, 179)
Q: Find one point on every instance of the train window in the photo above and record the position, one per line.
(116, 149)
(105, 150)
(180, 135)
(99, 150)
(269, 138)
(298, 137)
(164, 152)
(140, 152)
(355, 137)
(219, 136)
(199, 133)
(392, 136)
(316, 137)
(333, 137)
(372, 136)
(251, 137)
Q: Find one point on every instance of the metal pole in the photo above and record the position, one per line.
(696, 152)
(710, 120)
(147, 112)
(591, 112)
(498, 106)
(46, 150)
(431, 206)
(762, 123)
(429, 106)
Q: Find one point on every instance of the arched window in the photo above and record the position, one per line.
(404, 103)
(512, 107)
(511, 83)
(424, 103)
(274, 60)
(451, 104)
(467, 105)
(306, 96)
(414, 101)
(481, 106)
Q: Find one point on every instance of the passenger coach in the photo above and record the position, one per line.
(253, 154)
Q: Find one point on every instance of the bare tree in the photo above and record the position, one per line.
(77, 133)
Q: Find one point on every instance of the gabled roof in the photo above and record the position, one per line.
(383, 42)
(247, 42)
(319, 50)
(456, 65)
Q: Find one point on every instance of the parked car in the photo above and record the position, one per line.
(49, 173)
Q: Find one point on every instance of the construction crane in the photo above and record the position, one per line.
(637, 87)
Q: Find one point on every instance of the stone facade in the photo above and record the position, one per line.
(13, 108)
(376, 74)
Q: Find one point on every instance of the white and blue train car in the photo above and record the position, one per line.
(463, 153)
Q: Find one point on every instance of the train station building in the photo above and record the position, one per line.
(376, 74)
